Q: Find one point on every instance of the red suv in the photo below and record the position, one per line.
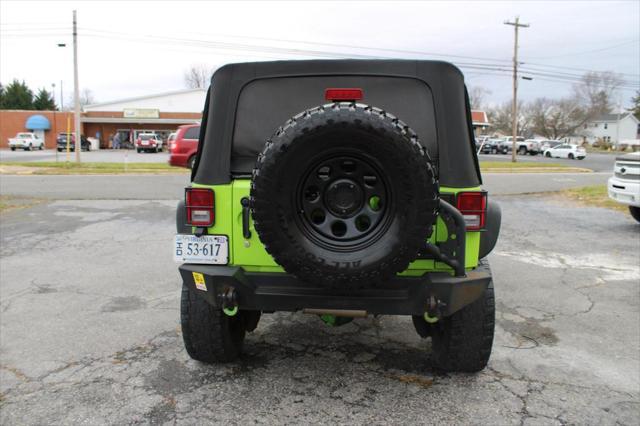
(184, 146)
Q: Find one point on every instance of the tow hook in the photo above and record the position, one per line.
(432, 314)
(229, 302)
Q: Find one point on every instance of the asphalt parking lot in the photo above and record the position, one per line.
(596, 162)
(89, 327)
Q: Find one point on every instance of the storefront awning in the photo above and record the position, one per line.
(37, 122)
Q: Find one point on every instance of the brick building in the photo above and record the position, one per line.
(161, 113)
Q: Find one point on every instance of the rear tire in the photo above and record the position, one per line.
(13, 148)
(462, 342)
(522, 151)
(139, 150)
(208, 334)
(548, 155)
(635, 212)
(571, 157)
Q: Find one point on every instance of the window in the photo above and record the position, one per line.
(192, 133)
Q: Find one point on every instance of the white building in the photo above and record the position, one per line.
(613, 128)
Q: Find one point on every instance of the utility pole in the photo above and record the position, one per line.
(76, 94)
(514, 107)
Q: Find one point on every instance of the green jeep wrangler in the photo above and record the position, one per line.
(341, 188)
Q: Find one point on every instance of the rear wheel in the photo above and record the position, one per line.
(635, 212)
(13, 148)
(522, 151)
(548, 155)
(41, 147)
(462, 341)
(571, 157)
(139, 150)
(209, 335)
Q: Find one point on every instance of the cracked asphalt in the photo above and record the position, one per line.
(89, 331)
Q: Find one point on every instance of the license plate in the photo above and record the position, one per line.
(145, 143)
(210, 249)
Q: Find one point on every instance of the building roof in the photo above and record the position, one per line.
(191, 100)
(612, 117)
(479, 118)
(37, 122)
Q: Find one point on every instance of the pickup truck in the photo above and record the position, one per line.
(624, 185)
(26, 141)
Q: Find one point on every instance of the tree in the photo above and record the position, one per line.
(85, 97)
(556, 119)
(198, 76)
(597, 90)
(17, 95)
(501, 120)
(44, 101)
(477, 95)
(635, 108)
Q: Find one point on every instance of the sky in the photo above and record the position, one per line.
(128, 49)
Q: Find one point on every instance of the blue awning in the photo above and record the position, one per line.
(37, 122)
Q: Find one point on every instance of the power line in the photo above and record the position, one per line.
(586, 52)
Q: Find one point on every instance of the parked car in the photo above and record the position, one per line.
(335, 213)
(480, 141)
(27, 141)
(185, 145)
(549, 143)
(624, 185)
(505, 146)
(491, 146)
(148, 142)
(566, 151)
(528, 146)
(61, 142)
(170, 140)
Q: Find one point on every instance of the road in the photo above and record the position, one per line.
(101, 156)
(171, 187)
(596, 162)
(90, 331)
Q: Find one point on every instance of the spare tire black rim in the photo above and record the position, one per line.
(344, 201)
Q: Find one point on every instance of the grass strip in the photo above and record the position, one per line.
(61, 168)
(593, 196)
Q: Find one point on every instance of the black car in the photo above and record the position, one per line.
(61, 142)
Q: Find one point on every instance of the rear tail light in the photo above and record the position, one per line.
(473, 206)
(200, 207)
(335, 94)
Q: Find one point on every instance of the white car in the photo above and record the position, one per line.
(548, 144)
(566, 151)
(26, 141)
(624, 185)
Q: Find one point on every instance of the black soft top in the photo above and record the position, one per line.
(456, 158)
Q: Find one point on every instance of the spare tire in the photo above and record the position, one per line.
(344, 195)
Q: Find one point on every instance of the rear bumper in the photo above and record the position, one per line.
(624, 191)
(282, 292)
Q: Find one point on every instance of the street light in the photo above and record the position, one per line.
(61, 93)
